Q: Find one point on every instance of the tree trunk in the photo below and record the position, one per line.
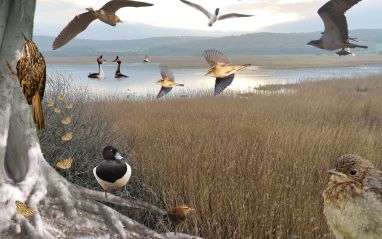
(62, 210)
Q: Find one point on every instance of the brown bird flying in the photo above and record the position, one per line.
(31, 72)
(336, 33)
(105, 14)
(221, 69)
(353, 199)
(178, 214)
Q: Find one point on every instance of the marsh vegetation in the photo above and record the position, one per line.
(253, 166)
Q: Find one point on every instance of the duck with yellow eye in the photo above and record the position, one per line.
(221, 69)
(178, 214)
(167, 81)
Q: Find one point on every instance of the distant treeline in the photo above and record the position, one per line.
(248, 44)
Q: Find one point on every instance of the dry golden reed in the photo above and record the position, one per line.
(253, 166)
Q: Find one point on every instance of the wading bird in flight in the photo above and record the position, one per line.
(213, 17)
(336, 34)
(167, 81)
(106, 14)
(221, 69)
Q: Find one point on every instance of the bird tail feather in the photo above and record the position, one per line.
(245, 66)
(38, 114)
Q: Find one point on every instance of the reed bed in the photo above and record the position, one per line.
(253, 165)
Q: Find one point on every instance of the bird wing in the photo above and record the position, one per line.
(198, 7)
(222, 83)
(114, 5)
(166, 73)
(215, 57)
(75, 27)
(333, 16)
(164, 91)
(232, 15)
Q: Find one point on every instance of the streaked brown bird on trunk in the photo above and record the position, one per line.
(177, 214)
(106, 14)
(353, 199)
(31, 72)
(221, 69)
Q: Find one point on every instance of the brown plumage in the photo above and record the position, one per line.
(31, 72)
(106, 14)
(177, 214)
(353, 199)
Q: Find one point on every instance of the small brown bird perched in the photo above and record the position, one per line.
(106, 14)
(353, 199)
(31, 72)
(178, 214)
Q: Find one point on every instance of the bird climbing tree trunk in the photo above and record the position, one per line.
(62, 210)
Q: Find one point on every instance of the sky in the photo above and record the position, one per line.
(175, 14)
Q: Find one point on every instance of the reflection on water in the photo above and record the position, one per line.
(142, 77)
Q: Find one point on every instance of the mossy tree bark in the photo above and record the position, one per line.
(63, 210)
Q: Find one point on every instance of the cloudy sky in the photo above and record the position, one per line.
(175, 14)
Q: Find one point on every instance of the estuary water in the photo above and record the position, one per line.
(142, 77)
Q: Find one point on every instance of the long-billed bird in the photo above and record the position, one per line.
(336, 34)
(31, 72)
(213, 17)
(106, 14)
(167, 81)
(178, 213)
(221, 69)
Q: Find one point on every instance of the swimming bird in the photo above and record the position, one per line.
(214, 17)
(178, 214)
(31, 72)
(353, 199)
(336, 34)
(113, 173)
(100, 74)
(118, 73)
(146, 59)
(221, 69)
(167, 81)
(106, 14)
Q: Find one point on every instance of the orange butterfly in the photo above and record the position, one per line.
(65, 163)
(23, 209)
(67, 136)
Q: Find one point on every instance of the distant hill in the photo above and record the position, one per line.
(248, 44)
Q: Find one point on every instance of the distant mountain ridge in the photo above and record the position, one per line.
(247, 44)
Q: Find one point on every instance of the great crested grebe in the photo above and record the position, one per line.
(100, 75)
(118, 73)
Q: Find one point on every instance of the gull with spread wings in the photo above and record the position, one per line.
(214, 17)
(336, 34)
(221, 69)
(167, 81)
(106, 14)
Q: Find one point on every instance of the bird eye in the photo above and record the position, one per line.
(353, 172)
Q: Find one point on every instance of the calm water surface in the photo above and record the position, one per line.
(142, 77)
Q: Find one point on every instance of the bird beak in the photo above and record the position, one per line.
(120, 21)
(26, 39)
(115, 60)
(334, 172)
(118, 156)
(158, 81)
